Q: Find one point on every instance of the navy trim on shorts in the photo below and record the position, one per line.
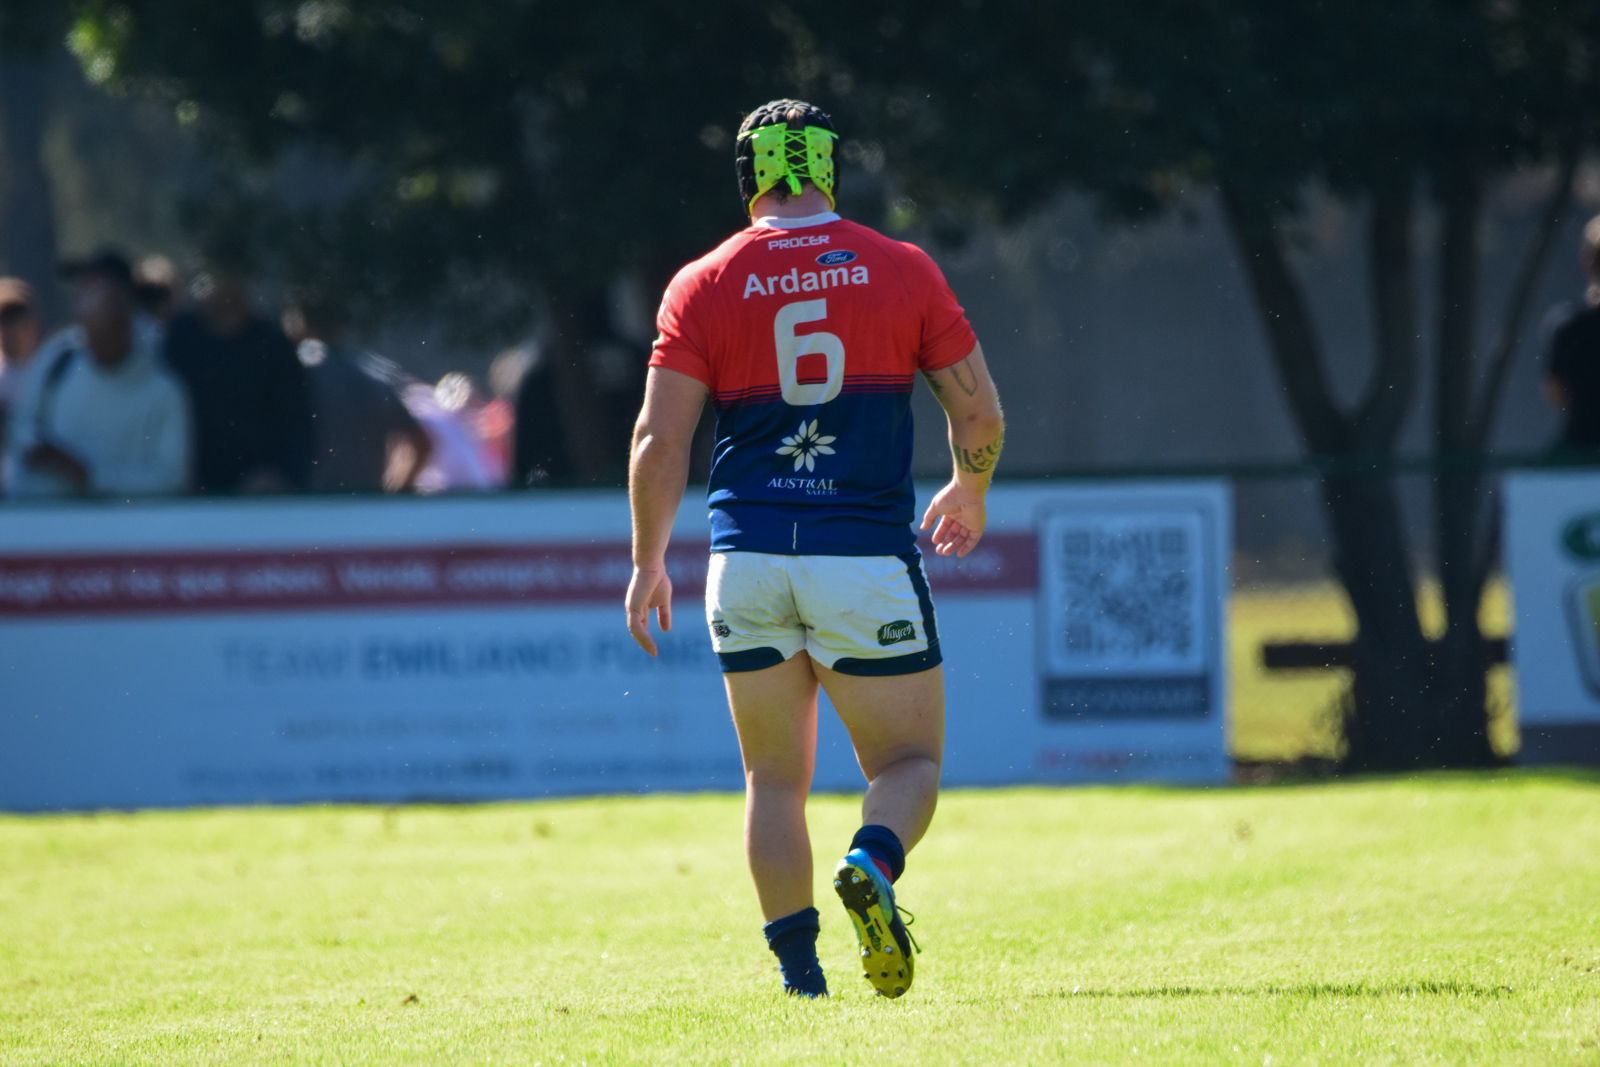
(919, 583)
(914, 663)
(750, 659)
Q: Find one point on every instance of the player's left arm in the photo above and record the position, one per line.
(977, 432)
(658, 471)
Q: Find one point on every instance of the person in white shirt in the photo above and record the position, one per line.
(98, 413)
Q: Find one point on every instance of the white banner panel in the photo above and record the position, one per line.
(245, 651)
(1553, 553)
(1552, 526)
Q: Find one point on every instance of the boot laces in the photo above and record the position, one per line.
(906, 919)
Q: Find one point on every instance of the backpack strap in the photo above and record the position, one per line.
(53, 377)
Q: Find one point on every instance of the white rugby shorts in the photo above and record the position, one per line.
(862, 615)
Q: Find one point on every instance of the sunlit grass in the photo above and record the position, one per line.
(1400, 921)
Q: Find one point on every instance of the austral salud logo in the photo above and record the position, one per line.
(805, 446)
(892, 633)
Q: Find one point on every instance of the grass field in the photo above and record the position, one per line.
(1447, 918)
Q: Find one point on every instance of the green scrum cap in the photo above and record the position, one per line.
(785, 141)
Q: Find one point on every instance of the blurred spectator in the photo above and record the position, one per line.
(580, 390)
(1572, 378)
(459, 460)
(158, 287)
(539, 444)
(496, 421)
(367, 441)
(98, 411)
(20, 333)
(252, 407)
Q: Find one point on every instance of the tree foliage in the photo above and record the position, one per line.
(534, 143)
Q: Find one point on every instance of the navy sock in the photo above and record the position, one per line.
(882, 845)
(793, 939)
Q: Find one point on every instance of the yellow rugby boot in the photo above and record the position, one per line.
(887, 955)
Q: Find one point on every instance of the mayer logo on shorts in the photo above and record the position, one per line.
(892, 633)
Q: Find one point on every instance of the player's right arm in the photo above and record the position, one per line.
(658, 471)
(977, 431)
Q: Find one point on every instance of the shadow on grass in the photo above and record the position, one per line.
(1311, 990)
(1319, 773)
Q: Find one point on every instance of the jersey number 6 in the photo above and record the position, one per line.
(810, 365)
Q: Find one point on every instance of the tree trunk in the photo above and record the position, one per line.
(1462, 726)
(1416, 704)
(1394, 678)
(1377, 421)
(27, 217)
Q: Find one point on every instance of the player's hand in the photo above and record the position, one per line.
(650, 589)
(959, 514)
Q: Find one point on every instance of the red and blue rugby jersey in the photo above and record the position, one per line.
(809, 337)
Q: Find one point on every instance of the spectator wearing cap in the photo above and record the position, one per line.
(98, 412)
(252, 405)
(366, 439)
(20, 333)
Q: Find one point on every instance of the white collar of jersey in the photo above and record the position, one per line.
(774, 222)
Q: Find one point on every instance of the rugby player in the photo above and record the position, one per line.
(807, 332)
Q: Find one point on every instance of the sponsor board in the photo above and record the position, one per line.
(250, 651)
(1552, 526)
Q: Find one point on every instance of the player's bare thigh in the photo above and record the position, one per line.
(889, 718)
(775, 714)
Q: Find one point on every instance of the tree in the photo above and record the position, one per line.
(27, 222)
(1390, 104)
(464, 157)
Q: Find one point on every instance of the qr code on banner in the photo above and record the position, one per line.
(1123, 592)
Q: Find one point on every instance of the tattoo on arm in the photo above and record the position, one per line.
(962, 374)
(979, 460)
(969, 383)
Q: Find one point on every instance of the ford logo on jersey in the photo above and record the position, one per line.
(833, 259)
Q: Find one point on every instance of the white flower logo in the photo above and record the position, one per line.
(805, 445)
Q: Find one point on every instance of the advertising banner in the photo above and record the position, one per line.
(1553, 555)
(250, 651)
